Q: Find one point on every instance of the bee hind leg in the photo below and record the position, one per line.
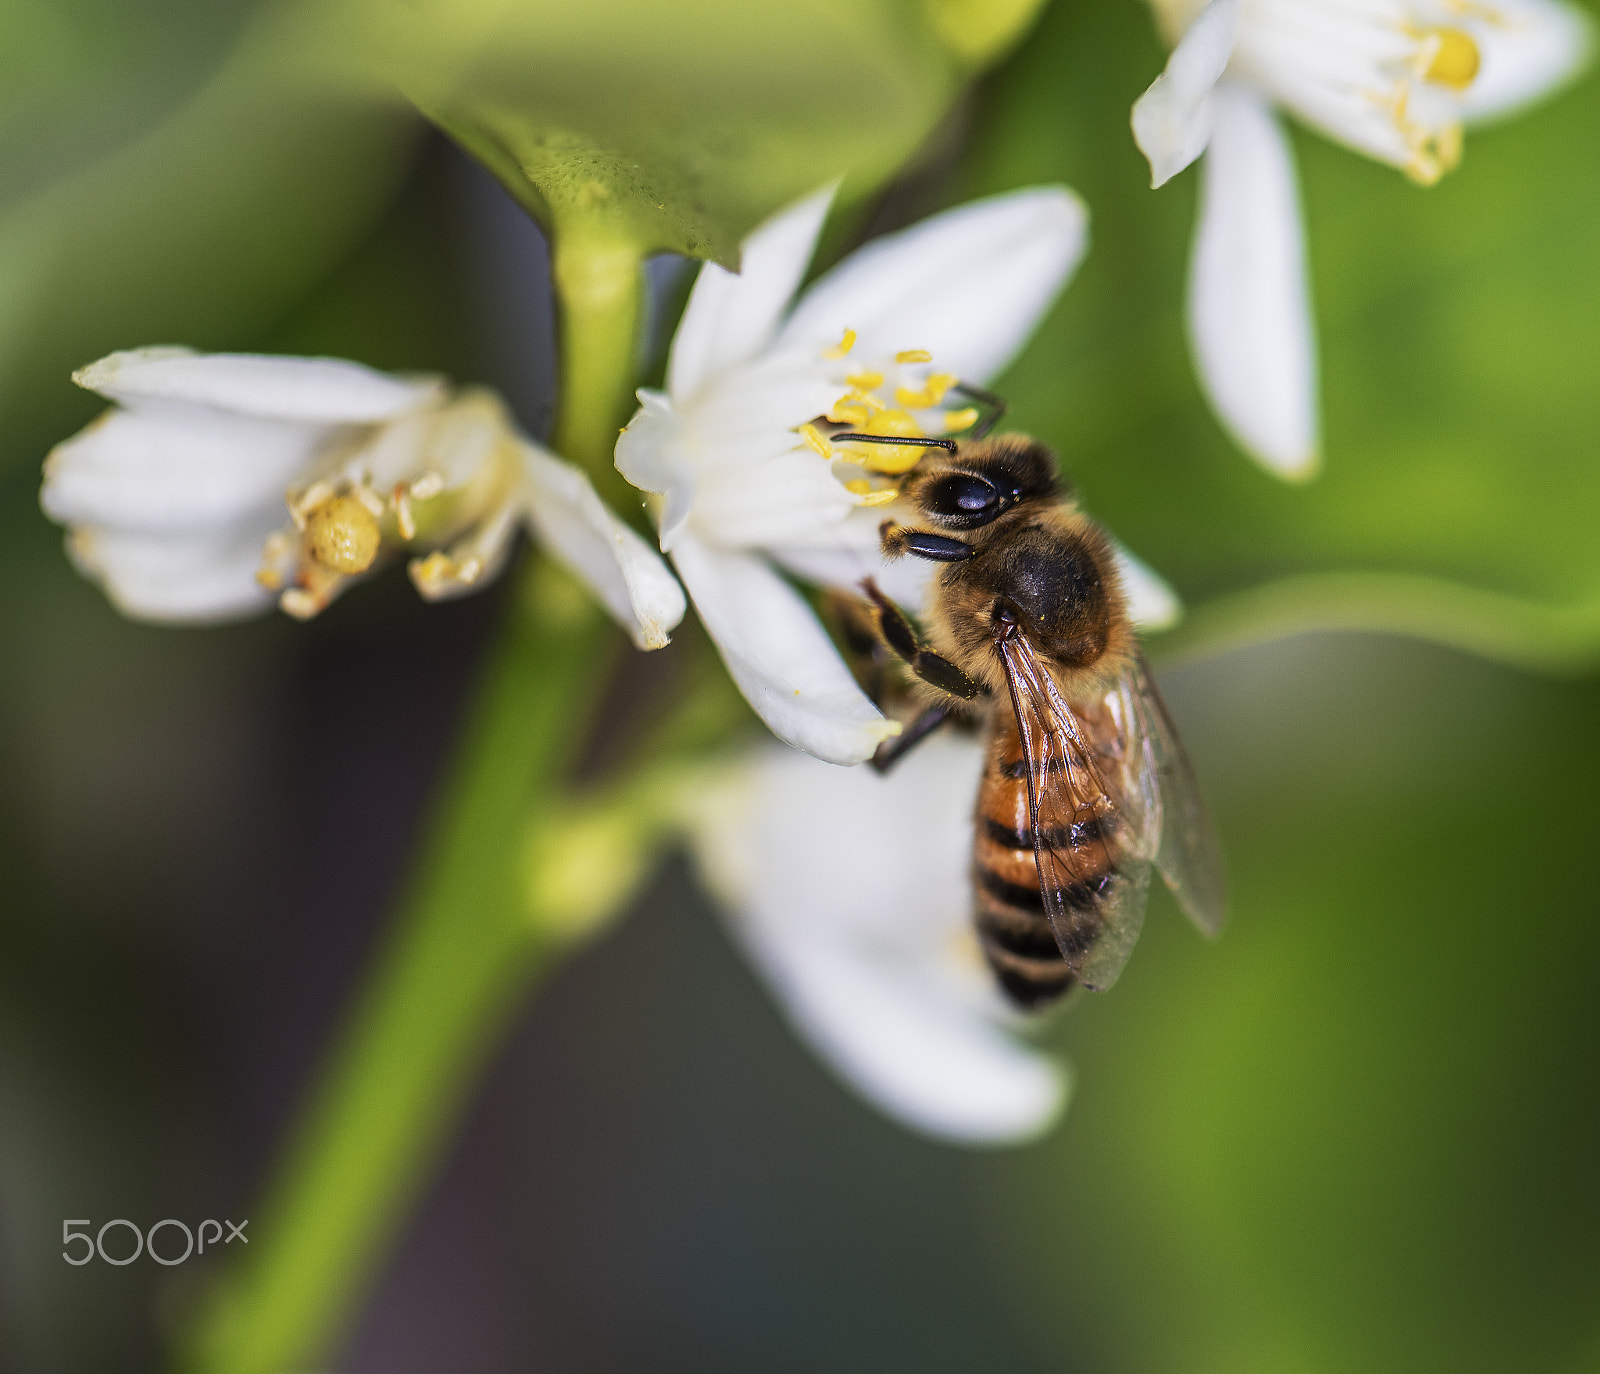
(934, 669)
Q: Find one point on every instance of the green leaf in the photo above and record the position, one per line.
(1460, 490)
(679, 127)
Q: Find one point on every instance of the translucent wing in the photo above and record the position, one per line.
(1093, 813)
(1188, 854)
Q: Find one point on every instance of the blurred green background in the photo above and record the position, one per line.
(1362, 1131)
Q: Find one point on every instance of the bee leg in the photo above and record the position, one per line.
(932, 668)
(891, 751)
(898, 541)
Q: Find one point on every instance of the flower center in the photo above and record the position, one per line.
(342, 534)
(897, 400)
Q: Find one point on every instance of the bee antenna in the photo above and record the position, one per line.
(948, 445)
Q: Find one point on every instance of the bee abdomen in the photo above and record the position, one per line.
(1019, 942)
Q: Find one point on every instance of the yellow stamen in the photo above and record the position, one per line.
(849, 410)
(1454, 59)
(957, 420)
(817, 441)
(913, 355)
(428, 485)
(865, 381)
(371, 500)
(302, 605)
(403, 516)
(895, 422)
(863, 488)
(431, 573)
(843, 347)
(932, 392)
(342, 535)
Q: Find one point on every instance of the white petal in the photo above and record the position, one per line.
(850, 892)
(853, 551)
(730, 318)
(779, 656)
(1172, 121)
(1152, 604)
(311, 390)
(199, 578)
(1528, 49)
(969, 285)
(174, 468)
(1249, 301)
(652, 453)
(623, 570)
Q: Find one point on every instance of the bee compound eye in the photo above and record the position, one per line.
(963, 499)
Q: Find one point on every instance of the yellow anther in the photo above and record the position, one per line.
(849, 410)
(342, 535)
(270, 578)
(932, 392)
(843, 347)
(319, 493)
(1447, 144)
(431, 573)
(1454, 59)
(882, 497)
(301, 604)
(370, 499)
(817, 441)
(865, 381)
(403, 517)
(913, 355)
(430, 484)
(896, 422)
(957, 420)
(858, 487)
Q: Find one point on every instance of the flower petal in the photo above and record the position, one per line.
(198, 578)
(309, 390)
(1172, 121)
(581, 530)
(174, 468)
(1529, 48)
(1152, 604)
(969, 285)
(652, 453)
(870, 950)
(731, 317)
(853, 551)
(779, 656)
(1249, 301)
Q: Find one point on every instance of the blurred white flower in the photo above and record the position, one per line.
(1394, 79)
(864, 933)
(877, 345)
(222, 482)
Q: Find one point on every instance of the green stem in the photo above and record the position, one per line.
(456, 965)
(598, 282)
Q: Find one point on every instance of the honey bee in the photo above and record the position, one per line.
(1085, 783)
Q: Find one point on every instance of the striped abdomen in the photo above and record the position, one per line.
(1009, 910)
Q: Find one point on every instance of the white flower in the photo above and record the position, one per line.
(877, 345)
(863, 929)
(222, 482)
(1394, 79)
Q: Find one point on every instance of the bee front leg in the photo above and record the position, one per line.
(934, 669)
(891, 751)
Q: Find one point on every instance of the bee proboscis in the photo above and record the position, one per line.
(1086, 785)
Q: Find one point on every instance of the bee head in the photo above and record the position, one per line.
(983, 481)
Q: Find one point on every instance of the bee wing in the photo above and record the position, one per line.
(1091, 841)
(1187, 853)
